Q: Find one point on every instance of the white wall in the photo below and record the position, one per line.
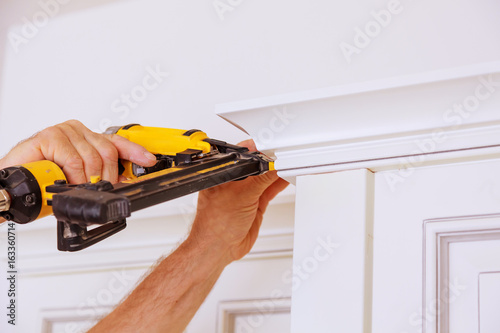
(82, 61)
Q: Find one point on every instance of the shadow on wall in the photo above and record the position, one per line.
(13, 12)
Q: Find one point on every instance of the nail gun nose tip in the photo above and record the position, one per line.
(4, 200)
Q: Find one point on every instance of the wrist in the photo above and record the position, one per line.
(209, 247)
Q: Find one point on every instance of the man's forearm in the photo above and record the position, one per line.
(169, 297)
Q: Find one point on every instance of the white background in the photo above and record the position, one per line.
(94, 51)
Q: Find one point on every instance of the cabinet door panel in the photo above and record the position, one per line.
(489, 298)
(437, 249)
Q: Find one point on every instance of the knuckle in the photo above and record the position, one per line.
(74, 162)
(93, 160)
(109, 153)
(264, 180)
(49, 133)
(36, 140)
(116, 138)
(73, 123)
(67, 129)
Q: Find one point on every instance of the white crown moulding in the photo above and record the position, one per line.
(390, 123)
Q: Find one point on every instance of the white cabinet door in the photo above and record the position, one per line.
(436, 249)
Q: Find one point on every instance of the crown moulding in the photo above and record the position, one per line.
(425, 118)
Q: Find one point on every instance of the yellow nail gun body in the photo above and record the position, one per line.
(187, 162)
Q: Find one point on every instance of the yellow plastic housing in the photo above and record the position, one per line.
(46, 173)
(164, 141)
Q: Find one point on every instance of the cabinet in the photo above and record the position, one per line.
(397, 223)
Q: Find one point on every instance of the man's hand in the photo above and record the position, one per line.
(79, 152)
(225, 228)
(229, 216)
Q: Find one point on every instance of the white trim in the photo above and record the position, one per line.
(371, 150)
(228, 311)
(365, 125)
(399, 162)
(141, 256)
(438, 234)
(49, 317)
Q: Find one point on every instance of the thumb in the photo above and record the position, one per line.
(259, 184)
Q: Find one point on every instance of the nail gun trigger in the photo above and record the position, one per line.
(187, 156)
(163, 162)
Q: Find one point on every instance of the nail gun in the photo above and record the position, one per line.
(187, 162)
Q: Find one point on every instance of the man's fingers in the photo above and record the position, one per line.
(56, 146)
(131, 151)
(108, 153)
(23, 152)
(250, 144)
(111, 148)
(80, 152)
(260, 183)
(92, 161)
(271, 192)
